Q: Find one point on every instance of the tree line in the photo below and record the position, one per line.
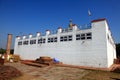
(2, 51)
(118, 50)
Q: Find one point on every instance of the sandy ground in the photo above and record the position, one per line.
(48, 73)
(61, 73)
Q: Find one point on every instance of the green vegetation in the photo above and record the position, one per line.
(12, 51)
(118, 50)
(2, 51)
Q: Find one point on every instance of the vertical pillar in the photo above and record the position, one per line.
(9, 38)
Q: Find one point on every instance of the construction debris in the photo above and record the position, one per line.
(115, 68)
(1, 61)
(116, 61)
(41, 61)
(8, 72)
(44, 60)
(33, 64)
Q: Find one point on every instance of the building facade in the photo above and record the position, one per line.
(93, 46)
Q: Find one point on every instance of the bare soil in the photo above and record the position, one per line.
(8, 72)
(61, 73)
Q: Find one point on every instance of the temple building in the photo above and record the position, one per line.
(90, 45)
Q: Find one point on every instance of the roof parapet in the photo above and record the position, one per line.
(24, 37)
(97, 20)
(47, 32)
(38, 34)
(59, 30)
(30, 35)
(17, 37)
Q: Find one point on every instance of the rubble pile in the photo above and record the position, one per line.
(8, 72)
(115, 68)
(44, 60)
(116, 61)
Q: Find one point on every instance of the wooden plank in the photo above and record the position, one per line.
(34, 64)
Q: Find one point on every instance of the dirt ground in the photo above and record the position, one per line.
(61, 73)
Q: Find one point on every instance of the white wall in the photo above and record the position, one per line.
(111, 48)
(99, 42)
(91, 53)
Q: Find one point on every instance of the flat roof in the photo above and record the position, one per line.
(97, 20)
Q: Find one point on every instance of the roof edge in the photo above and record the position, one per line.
(97, 20)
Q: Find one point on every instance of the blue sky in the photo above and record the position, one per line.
(21, 17)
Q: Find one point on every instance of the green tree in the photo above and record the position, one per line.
(12, 51)
(118, 50)
(2, 51)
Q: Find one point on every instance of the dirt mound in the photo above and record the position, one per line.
(8, 72)
(115, 68)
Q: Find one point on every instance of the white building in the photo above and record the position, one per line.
(93, 46)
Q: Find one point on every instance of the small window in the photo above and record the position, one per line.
(65, 38)
(70, 38)
(48, 40)
(89, 37)
(51, 39)
(82, 37)
(20, 43)
(25, 42)
(88, 34)
(61, 38)
(39, 41)
(32, 41)
(43, 41)
(78, 37)
(55, 39)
